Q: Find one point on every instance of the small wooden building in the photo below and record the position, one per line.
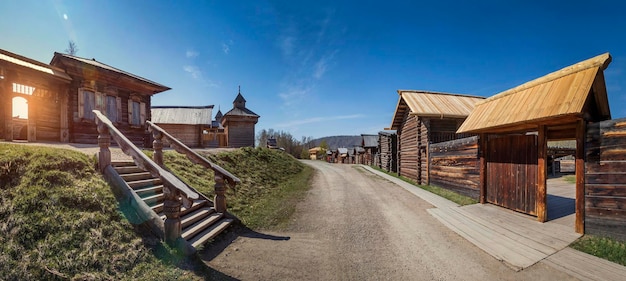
(123, 97)
(313, 152)
(239, 124)
(422, 118)
(342, 155)
(186, 123)
(388, 150)
(515, 127)
(215, 136)
(43, 90)
(370, 144)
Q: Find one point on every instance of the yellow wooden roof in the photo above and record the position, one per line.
(556, 98)
(432, 104)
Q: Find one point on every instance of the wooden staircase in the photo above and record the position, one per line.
(199, 223)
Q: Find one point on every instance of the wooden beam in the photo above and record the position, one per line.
(580, 177)
(542, 161)
(482, 151)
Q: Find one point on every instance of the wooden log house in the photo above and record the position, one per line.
(186, 123)
(422, 118)
(387, 145)
(516, 125)
(123, 97)
(370, 144)
(239, 124)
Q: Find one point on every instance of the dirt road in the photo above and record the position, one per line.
(354, 225)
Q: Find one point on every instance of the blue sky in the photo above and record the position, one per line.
(321, 68)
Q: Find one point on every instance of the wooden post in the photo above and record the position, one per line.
(220, 189)
(482, 150)
(171, 209)
(541, 195)
(157, 145)
(104, 141)
(581, 128)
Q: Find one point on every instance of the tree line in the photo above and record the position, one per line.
(284, 140)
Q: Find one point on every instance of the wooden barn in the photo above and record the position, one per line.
(388, 150)
(342, 155)
(186, 123)
(515, 127)
(239, 124)
(33, 100)
(123, 97)
(370, 144)
(422, 118)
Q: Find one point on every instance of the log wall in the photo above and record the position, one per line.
(605, 179)
(240, 134)
(454, 165)
(408, 148)
(190, 135)
(388, 152)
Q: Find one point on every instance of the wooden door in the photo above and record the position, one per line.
(512, 172)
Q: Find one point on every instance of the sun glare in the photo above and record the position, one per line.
(20, 108)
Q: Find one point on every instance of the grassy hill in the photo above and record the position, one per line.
(59, 219)
(338, 141)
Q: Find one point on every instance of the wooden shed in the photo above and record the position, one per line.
(41, 90)
(421, 118)
(370, 145)
(186, 123)
(388, 150)
(516, 125)
(239, 124)
(123, 97)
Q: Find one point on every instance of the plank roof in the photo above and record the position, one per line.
(557, 98)
(237, 111)
(182, 115)
(432, 104)
(93, 62)
(25, 62)
(369, 140)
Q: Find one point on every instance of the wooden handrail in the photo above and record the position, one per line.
(174, 190)
(196, 158)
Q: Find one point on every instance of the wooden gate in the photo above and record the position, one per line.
(512, 172)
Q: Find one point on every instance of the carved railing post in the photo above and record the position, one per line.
(104, 141)
(220, 189)
(171, 208)
(157, 145)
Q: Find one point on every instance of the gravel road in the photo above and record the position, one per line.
(354, 225)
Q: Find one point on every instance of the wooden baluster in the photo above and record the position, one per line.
(171, 209)
(220, 189)
(104, 141)
(157, 145)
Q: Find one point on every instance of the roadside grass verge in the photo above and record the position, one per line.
(59, 220)
(570, 179)
(272, 183)
(602, 247)
(445, 193)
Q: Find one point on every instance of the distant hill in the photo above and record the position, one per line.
(338, 141)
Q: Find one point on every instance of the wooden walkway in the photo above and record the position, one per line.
(518, 240)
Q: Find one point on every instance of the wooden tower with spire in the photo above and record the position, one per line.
(239, 123)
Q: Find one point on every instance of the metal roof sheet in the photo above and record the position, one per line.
(432, 104)
(187, 115)
(558, 95)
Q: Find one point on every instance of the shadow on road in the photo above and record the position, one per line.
(215, 248)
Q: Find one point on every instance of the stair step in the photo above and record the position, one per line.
(144, 183)
(210, 232)
(122, 163)
(136, 176)
(197, 204)
(200, 226)
(195, 216)
(158, 208)
(128, 169)
(154, 199)
(150, 190)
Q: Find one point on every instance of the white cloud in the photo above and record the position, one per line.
(322, 65)
(318, 120)
(193, 70)
(294, 95)
(65, 16)
(287, 45)
(225, 48)
(191, 54)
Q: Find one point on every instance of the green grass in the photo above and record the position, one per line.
(272, 183)
(59, 220)
(602, 247)
(570, 179)
(445, 193)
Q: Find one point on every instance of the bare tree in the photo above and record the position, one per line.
(72, 49)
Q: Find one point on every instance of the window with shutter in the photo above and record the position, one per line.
(86, 103)
(111, 108)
